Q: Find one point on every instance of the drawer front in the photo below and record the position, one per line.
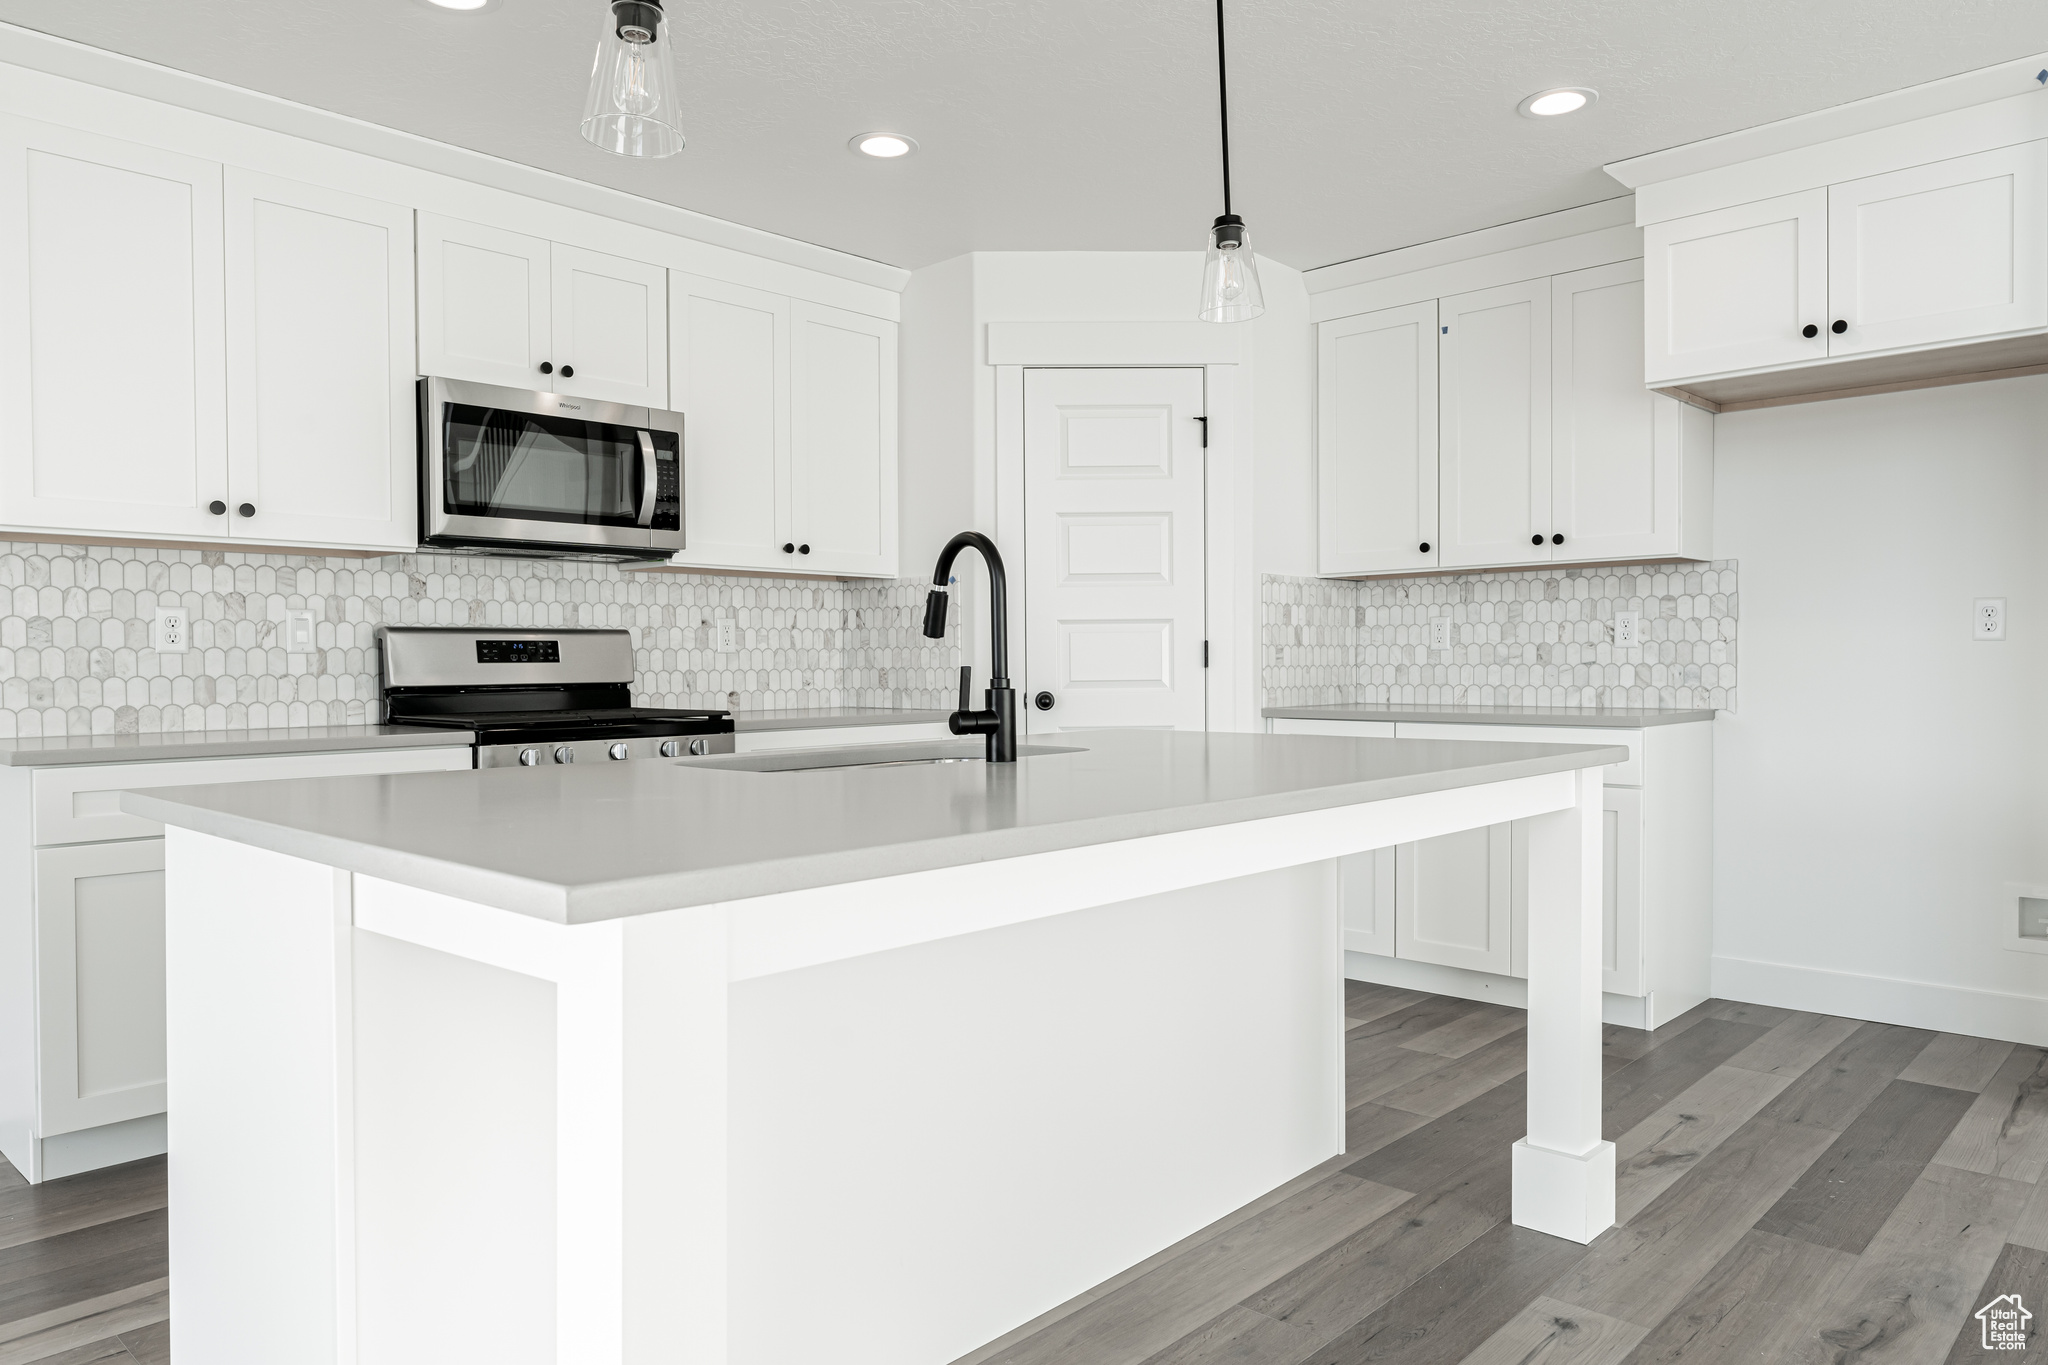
(1629, 774)
(1349, 729)
(83, 804)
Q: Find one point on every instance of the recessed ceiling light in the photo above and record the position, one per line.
(1568, 99)
(883, 144)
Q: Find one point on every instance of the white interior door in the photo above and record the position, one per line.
(1494, 472)
(113, 409)
(1736, 288)
(1452, 899)
(1376, 441)
(1934, 253)
(729, 377)
(610, 319)
(322, 419)
(484, 304)
(842, 374)
(1113, 531)
(100, 983)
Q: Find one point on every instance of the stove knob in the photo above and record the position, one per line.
(671, 748)
(619, 751)
(529, 757)
(700, 746)
(565, 753)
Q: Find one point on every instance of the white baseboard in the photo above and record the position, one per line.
(110, 1144)
(1885, 1000)
(1633, 1011)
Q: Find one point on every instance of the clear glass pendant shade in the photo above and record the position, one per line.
(631, 108)
(1230, 275)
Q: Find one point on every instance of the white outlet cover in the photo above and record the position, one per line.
(1440, 633)
(728, 635)
(1988, 619)
(1628, 629)
(172, 632)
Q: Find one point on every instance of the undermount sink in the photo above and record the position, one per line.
(867, 756)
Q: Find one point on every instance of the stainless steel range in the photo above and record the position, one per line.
(535, 697)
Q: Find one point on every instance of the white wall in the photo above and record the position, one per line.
(1885, 779)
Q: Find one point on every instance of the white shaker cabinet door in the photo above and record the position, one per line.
(1376, 441)
(1955, 249)
(1621, 894)
(1365, 884)
(485, 304)
(1452, 899)
(729, 377)
(842, 441)
(1494, 476)
(610, 320)
(322, 415)
(100, 983)
(1736, 288)
(112, 356)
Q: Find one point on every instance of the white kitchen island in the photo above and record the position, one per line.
(685, 1062)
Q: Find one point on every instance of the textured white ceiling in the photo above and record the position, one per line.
(1360, 125)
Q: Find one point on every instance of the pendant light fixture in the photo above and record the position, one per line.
(1230, 275)
(631, 107)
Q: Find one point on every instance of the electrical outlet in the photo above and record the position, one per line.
(728, 635)
(173, 631)
(1440, 633)
(1628, 627)
(1989, 619)
(298, 632)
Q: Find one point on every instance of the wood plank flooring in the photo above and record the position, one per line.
(1794, 1189)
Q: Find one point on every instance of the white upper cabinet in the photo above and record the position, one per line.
(842, 441)
(1737, 288)
(1941, 252)
(497, 307)
(112, 350)
(1494, 461)
(729, 377)
(1376, 441)
(485, 301)
(322, 425)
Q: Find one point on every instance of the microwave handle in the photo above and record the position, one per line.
(648, 480)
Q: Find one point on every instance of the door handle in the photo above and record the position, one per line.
(647, 477)
(1043, 701)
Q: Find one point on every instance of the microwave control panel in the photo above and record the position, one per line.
(668, 489)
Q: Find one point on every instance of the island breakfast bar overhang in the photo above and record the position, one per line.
(888, 1119)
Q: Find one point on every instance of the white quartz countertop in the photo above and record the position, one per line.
(831, 718)
(575, 844)
(1577, 716)
(176, 744)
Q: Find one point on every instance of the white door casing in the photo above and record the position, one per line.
(1733, 289)
(843, 406)
(1494, 461)
(485, 304)
(1114, 528)
(729, 376)
(610, 324)
(1376, 440)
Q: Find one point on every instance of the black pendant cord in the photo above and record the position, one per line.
(1223, 106)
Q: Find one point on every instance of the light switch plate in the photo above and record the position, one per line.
(1628, 628)
(172, 633)
(298, 632)
(1989, 619)
(728, 635)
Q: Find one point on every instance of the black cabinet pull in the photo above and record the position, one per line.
(1536, 539)
(1425, 547)
(568, 371)
(547, 367)
(1809, 331)
(788, 547)
(1557, 539)
(803, 549)
(217, 507)
(247, 509)
(1839, 327)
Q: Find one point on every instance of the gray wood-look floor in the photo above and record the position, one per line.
(1793, 1188)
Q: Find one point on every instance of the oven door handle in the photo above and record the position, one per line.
(648, 479)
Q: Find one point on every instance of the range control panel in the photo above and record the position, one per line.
(518, 651)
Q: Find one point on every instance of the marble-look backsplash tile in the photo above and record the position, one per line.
(1540, 637)
(75, 623)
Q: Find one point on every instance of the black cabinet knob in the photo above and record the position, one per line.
(1809, 331)
(547, 367)
(788, 548)
(247, 509)
(217, 507)
(1536, 539)
(803, 549)
(1557, 539)
(568, 371)
(1043, 701)
(1424, 547)
(1839, 327)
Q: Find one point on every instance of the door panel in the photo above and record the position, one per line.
(1494, 479)
(1452, 899)
(322, 415)
(485, 304)
(1731, 289)
(112, 348)
(1940, 252)
(610, 318)
(100, 983)
(1113, 554)
(729, 375)
(1376, 441)
(842, 441)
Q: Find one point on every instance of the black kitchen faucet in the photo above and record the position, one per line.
(999, 720)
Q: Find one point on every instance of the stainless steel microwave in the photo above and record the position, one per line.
(548, 473)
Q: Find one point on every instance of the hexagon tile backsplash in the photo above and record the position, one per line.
(1539, 637)
(75, 623)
